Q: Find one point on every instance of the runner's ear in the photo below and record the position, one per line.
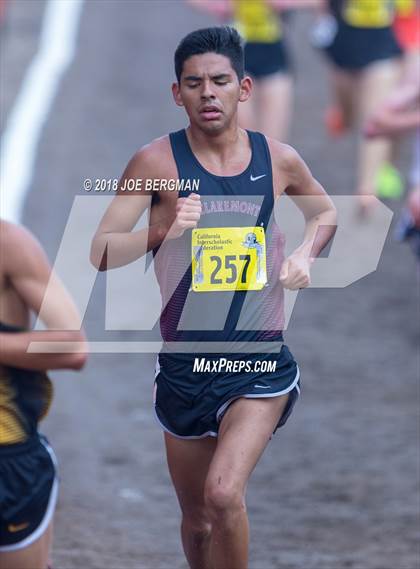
(245, 89)
(177, 95)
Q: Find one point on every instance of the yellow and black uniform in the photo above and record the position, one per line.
(28, 484)
(364, 33)
(260, 26)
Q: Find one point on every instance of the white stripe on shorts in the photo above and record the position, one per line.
(49, 512)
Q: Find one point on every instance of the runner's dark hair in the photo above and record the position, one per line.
(224, 40)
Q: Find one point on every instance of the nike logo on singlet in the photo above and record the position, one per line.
(255, 178)
(12, 528)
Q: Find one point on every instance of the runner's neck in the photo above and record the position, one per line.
(221, 153)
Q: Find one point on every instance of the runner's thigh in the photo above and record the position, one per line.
(244, 433)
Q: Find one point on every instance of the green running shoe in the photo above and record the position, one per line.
(389, 183)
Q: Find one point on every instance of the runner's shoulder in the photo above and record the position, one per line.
(155, 159)
(284, 156)
(20, 250)
(14, 237)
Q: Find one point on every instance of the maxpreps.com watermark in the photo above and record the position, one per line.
(224, 365)
(140, 184)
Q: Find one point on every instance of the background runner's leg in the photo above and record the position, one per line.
(244, 433)
(376, 83)
(188, 462)
(344, 85)
(275, 104)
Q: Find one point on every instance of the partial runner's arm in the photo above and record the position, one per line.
(25, 266)
(399, 114)
(220, 9)
(317, 208)
(115, 244)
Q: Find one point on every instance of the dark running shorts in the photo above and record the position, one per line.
(263, 59)
(356, 48)
(190, 404)
(28, 492)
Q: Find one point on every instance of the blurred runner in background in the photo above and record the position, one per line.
(267, 59)
(28, 470)
(359, 40)
(398, 115)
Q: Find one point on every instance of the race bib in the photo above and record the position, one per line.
(228, 258)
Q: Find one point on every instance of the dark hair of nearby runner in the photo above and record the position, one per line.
(223, 40)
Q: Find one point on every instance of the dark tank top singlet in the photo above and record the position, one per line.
(242, 201)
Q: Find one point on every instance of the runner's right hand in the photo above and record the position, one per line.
(188, 213)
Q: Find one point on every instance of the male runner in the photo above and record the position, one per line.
(28, 479)
(220, 266)
(400, 114)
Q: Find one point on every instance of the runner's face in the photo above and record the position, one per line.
(210, 91)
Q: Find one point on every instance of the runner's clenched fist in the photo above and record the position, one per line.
(188, 213)
(295, 272)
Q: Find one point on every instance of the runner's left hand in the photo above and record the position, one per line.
(295, 272)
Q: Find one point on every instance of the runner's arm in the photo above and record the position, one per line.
(389, 123)
(310, 197)
(26, 267)
(114, 243)
(399, 114)
(317, 208)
